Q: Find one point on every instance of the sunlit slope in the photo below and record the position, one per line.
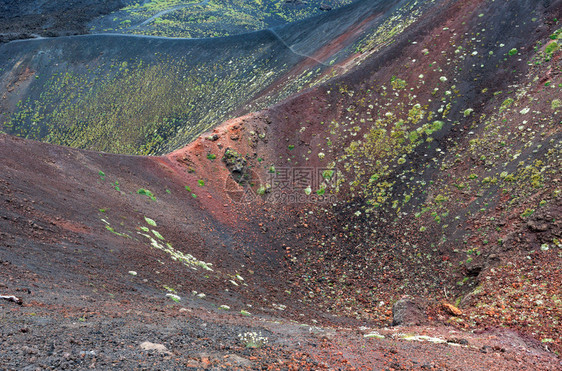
(133, 95)
(208, 18)
(149, 95)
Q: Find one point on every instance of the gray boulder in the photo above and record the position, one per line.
(409, 311)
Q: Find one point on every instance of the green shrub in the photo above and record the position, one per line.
(147, 193)
(552, 47)
(506, 104)
(527, 212)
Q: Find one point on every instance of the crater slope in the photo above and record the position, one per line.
(106, 93)
(427, 167)
(208, 18)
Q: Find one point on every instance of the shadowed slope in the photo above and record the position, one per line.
(23, 19)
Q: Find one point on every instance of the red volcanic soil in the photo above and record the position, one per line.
(189, 252)
(82, 307)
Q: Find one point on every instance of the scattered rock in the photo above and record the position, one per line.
(537, 225)
(29, 350)
(451, 309)
(408, 311)
(236, 360)
(458, 341)
(474, 269)
(160, 348)
(12, 298)
(236, 164)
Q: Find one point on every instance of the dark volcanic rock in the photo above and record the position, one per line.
(545, 223)
(235, 163)
(537, 225)
(408, 311)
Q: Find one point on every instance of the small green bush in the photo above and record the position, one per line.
(552, 47)
(147, 193)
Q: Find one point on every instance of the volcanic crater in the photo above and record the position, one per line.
(375, 186)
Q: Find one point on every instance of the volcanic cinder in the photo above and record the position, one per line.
(376, 186)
